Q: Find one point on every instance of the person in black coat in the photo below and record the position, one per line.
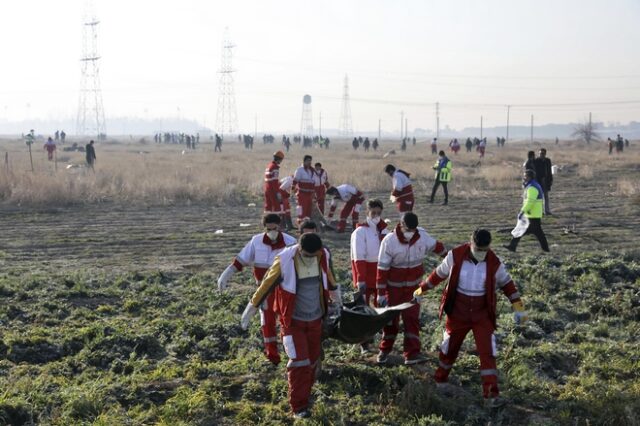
(544, 176)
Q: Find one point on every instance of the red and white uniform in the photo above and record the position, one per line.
(285, 191)
(289, 280)
(50, 146)
(365, 247)
(469, 300)
(400, 270)
(304, 184)
(352, 199)
(271, 188)
(321, 181)
(260, 252)
(402, 191)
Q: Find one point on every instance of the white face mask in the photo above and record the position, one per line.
(374, 220)
(478, 254)
(273, 235)
(408, 235)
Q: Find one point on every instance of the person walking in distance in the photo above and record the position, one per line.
(443, 176)
(532, 208)
(90, 154)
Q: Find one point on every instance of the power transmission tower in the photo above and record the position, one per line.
(306, 123)
(226, 116)
(90, 120)
(346, 126)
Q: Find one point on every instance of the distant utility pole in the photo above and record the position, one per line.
(531, 128)
(480, 127)
(406, 127)
(508, 108)
(401, 124)
(379, 127)
(438, 120)
(90, 120)
(226, 115)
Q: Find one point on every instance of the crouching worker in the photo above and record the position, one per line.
(475, 273)
(305, 290)
(260, 252)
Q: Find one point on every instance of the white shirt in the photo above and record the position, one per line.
(400, 180)
(320, 178)
(365, 243)
(259, 254)
(397, 255)
(346, 191)
(472, 276)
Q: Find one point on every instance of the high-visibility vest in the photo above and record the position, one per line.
(443, 174)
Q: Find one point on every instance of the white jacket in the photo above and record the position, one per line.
(365, 243)
(259, 254)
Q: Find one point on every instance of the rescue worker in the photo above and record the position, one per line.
(443, 176)
(544, 176)
(400, 270)
(352, 198)
(285, 194)
(304, 185)
(532, 208)
(365, 246)
(434, 146)
(260, 253)
(468, 144)
(272, 196)
(474, 275)
(50, 147)
(321, 182)
(402, 190)
(482, 146)
(305, 290)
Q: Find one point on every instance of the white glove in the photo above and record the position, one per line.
(248, 313)
(392, 198)
(381, 300)
(226, 276)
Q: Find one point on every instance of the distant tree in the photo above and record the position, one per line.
(586, 132)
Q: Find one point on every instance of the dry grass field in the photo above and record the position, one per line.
(109, 313)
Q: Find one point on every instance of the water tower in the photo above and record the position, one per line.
(306, 124)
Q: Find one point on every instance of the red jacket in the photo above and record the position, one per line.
(271, 177)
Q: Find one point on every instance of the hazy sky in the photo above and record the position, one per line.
(160, 58)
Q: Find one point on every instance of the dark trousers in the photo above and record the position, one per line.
(444, 187)
(535, 228)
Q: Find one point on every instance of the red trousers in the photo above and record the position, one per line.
(470, 314)
(286, 205)
(405, 204)
(410, 320)
(351, 207)
(271, 203)
(370, 281)
(301, 340)
(320, 197)
(305, 205)
(269, 333)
